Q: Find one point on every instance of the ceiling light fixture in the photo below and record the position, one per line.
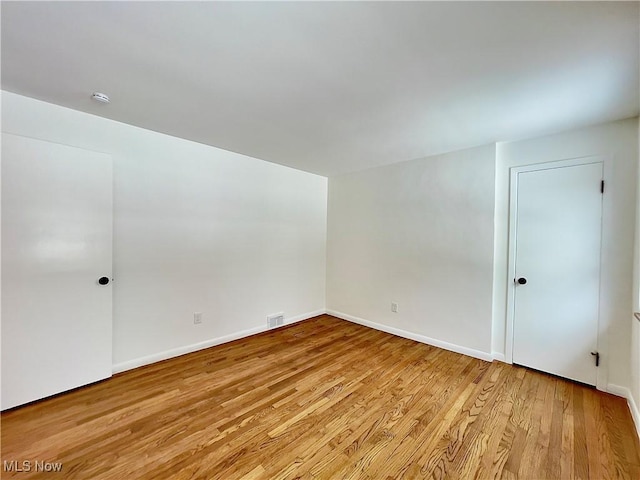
(100, 97)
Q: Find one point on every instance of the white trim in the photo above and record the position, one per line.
(624, 392)
(553, 164)
(513, 215)
(635, 413)
(500, 357)
(413, 336)
(618, 391)
(603, 321)
(304, 316)
(194, 347)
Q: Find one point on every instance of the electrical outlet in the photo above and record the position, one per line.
(197, 318)
(394, 307)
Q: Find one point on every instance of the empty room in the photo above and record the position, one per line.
(320, 240)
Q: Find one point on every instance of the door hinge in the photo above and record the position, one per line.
(602, 186)
(597, 355)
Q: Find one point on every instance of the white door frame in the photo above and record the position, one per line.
(603, 320)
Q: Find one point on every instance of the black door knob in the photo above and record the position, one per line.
(522, 281)
(104, 281)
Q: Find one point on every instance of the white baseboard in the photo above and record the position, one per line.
(176, 352)
(633, 407)
(619, 391)
(635, 413)
(304, 316)
(413, 336)
(500, 357)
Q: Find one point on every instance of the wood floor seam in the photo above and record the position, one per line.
(325, 399)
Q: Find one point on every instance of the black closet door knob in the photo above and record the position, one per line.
(104, 281)
(522, 281)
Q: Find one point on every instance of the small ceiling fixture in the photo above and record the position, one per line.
(100, 97)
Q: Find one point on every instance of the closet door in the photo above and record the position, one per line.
(57, 223)
(557, 270)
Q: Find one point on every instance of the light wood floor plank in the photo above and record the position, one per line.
(326, 399)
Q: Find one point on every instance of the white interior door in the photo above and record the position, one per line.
(557, 253)
(56, 245)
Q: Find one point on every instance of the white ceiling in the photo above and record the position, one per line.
(331, 87)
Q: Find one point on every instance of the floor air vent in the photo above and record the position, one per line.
(275, 320)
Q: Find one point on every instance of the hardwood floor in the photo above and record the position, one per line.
(326, 399)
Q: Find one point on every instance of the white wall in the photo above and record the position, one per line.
(617, 142)
(202, 229)
(634, 399)
(418, 233)
(196, 228)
